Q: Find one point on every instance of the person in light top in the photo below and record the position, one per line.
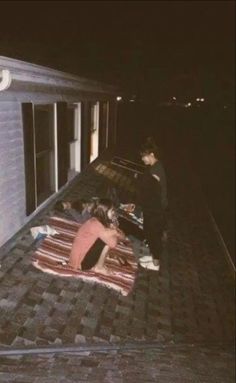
(94, 239)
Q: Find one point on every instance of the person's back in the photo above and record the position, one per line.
(88, 233)
(94, 238)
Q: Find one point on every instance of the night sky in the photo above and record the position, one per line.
(149, 47)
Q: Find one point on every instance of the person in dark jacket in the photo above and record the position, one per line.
(152, 197)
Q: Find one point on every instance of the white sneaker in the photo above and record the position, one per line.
(150, 266)
(146, 258)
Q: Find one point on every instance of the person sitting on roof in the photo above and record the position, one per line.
(94, 239)
(78, 210)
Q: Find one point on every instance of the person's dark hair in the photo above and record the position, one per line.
(78, 204)
(101, 210)
(112, 194)
(59, 206)
(149, 147)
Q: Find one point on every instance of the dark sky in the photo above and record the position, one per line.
(144, 45)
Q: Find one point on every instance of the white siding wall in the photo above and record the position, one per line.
(30, 83)
(12, 177)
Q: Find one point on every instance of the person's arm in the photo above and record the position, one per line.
(128, 207)
(156, 177)
(107, 235)
(161, 178)
(121, 235)
(111, 236)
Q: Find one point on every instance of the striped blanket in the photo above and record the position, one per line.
(53, 253)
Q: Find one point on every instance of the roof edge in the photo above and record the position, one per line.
(37, 74)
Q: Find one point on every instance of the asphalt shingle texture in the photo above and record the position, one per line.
(190, 301)
(163, 364)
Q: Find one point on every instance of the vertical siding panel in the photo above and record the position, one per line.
(28, 133)
(111, 126)
(102, 125)
(62, 144)
(85, 134)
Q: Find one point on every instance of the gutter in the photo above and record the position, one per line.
(104, 347)
(33, 74)
(6, 79)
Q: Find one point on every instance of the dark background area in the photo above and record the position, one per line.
(204, 137)
(155, 50)
(149, 47)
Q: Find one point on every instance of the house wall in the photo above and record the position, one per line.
(12, 173)
(12, 167)
(37, 85)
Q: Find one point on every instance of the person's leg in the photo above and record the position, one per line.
(93, 255)
(147, 227)
(165, 226)
(99, 267)
(156, 245)
(153, 226)
(95, 258)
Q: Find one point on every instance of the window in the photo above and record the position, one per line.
(72, 122)
(94, 130)
(74, 131)
(44, 151)
(39, 153)
(103, 125)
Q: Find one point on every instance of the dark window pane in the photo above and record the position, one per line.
(103, 125)
(71, 122)
(43, 167)
(44, 144)
(43, 119)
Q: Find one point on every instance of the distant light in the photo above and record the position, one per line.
(174, 98)
(197, 99)
(118, 98)
(131, 100)
(202, 99)
(188, 105)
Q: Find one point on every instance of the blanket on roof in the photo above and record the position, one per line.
(53, 253)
